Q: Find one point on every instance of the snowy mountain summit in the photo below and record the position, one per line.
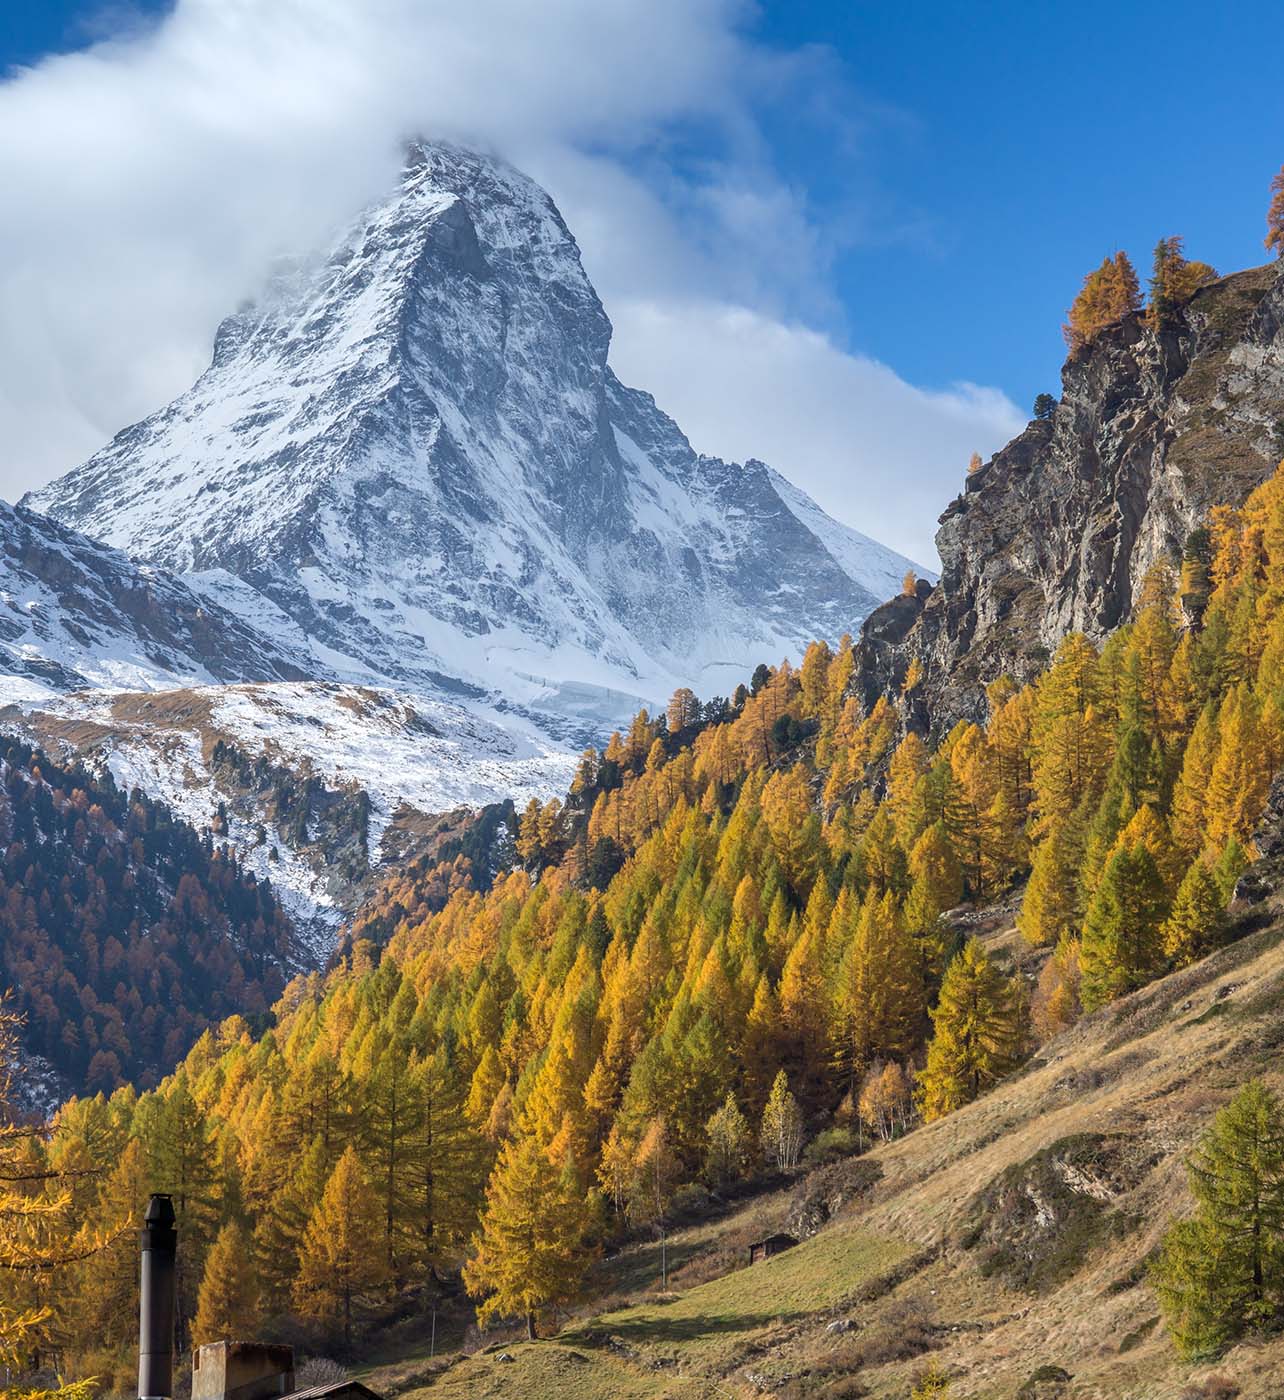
(410, 463)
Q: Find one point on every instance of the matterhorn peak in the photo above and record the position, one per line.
(411, 462)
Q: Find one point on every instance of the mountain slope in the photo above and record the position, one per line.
(1057, 530)
(1008, 1239)
(123, 932)
(316, 786)
(413, 460)
(76, 614)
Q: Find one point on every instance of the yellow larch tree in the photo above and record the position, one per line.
(530, 1255)
(339, 1273)
(227, 1307)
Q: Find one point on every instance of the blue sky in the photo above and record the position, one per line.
(1023, 142)
(827, 188)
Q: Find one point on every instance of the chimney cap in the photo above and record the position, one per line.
(160, 1210)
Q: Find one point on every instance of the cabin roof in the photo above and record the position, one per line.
(348, 1387)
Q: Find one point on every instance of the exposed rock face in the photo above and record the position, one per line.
(76, 614)
(413, 461)
(1056, 531)
(1034, 1223)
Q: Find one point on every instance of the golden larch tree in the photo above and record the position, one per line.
(530, 1254)
(227, 1307)
(341, 1266)
(1275, 216)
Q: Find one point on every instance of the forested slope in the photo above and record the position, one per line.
(729, 943)
(123, 933)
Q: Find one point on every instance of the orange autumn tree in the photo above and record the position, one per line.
(1108, 293)
(1275, 216)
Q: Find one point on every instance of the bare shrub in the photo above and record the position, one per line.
(319, 1370)
(1217, 1386)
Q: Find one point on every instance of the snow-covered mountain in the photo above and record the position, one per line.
(363, 769)
(75, 614)
(410, 464)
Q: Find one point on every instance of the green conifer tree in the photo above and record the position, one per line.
(1122, 947)
(980, 1033)
(1220, 1274)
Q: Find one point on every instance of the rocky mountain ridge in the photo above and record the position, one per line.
(1055, 533)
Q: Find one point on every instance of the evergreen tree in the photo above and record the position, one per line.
(979, 1033)
(1173, 281)
(1194, 926)
(279, 1227)
(444, 1164)
(1220, 1273)
(530, 1254)
(227, 1307)
(1122, 947)
(1230, 865)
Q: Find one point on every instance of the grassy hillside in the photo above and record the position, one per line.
(1009, 1237)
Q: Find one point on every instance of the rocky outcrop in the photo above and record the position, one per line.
(1265, 877)
(1056, 531)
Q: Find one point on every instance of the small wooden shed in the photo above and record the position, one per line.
(773, 1244)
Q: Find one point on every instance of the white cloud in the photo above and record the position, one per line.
(149, 180)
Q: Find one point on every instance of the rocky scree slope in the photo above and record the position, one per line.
(1057, 530)
(411, 462)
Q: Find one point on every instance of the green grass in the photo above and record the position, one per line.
(678, 1348)
(711, 1326)
(551, 1371)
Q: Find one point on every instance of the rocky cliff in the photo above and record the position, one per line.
(1056, 531)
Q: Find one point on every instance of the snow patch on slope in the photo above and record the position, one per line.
(877, 568)
(402, 750)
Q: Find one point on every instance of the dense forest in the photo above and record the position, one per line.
(728, 947)
(123, 932)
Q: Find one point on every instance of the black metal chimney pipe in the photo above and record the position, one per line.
(158, 1243)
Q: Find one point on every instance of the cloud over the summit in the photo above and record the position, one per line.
(149, 180)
